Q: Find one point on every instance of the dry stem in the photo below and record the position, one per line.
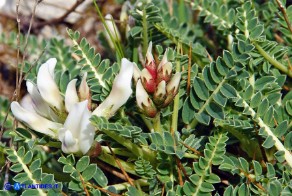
(121, 167)
(283, 10)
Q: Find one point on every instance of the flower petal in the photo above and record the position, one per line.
(161, 89)
(74, 118)
(69, 143)
(87, 133)
(71, 96)
(35, 121)
(148, 81)
(47, 86)
(149, 56)
(163, 61)
(39, 104)
(137, 72)
(120, 93)
(27, 103)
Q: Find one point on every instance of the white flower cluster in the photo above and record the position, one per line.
(67, 119)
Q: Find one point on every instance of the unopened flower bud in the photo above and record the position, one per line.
(84, 92)
(160, 93)
(148, 81)
(150, 62)
(137, 73)
(164, 69)
(172, 86)
(144, 102)
(172, 89)
(165, 72)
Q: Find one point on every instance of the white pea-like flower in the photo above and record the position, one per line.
(35, 121)
(47, 114)
(77, 134)
(120, 93)
(47, 85)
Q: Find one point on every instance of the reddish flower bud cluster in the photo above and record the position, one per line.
(156, 82)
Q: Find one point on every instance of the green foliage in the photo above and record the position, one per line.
(100, 73)
(262, 181)
(203, 179)
(29, 172)
(144, 168)
(81, 173)
(217, 13)
(165, 143)
(209, 93)
(228, 132)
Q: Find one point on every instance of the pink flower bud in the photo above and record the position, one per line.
(148, 81)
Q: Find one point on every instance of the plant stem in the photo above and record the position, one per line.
(136, 150)
(135, 55)
(283, 10)
(147, 122)
(118, 151)
(145, 33)
(116, 44)
(176, 100)
(125, 185)
(273, 61)
(157, 123)
(128, 167)
(278, 144)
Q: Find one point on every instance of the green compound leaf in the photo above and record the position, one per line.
(89, 172)
(82, 163)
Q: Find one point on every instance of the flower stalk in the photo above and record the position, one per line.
(174, 120)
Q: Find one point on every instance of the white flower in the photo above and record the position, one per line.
(161, 89)
(120, 93)
(47, 86)
(77, 134)
(113, 30)
(35, 121)
(40, 106)
(46, 113)
(71, 96)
